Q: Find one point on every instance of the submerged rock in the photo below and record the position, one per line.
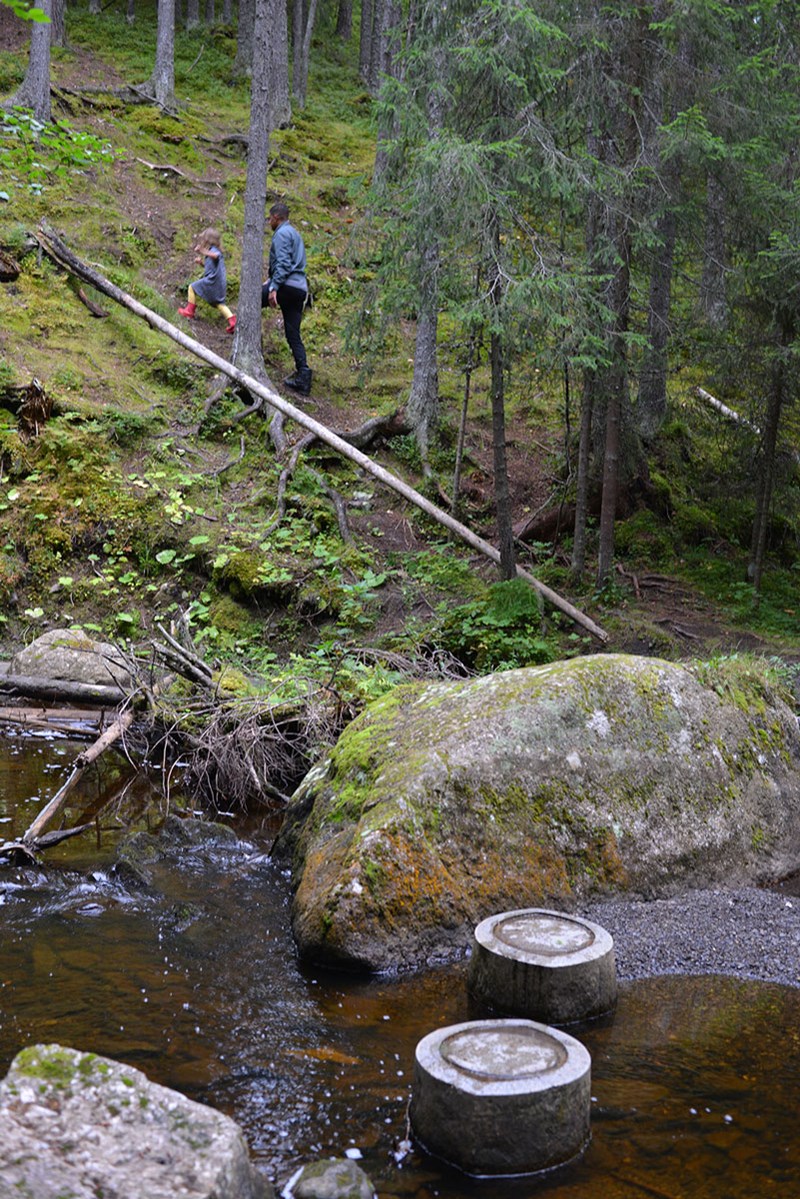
(78, 1125)
(446, 802)
(180, 839)
(337, 1178)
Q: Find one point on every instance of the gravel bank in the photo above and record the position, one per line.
(745, 932)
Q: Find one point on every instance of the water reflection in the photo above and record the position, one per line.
(195, 981)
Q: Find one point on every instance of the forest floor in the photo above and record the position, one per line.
(162, 196)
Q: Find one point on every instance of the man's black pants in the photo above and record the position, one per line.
(291, 301)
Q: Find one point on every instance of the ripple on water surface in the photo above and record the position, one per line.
(195, 981)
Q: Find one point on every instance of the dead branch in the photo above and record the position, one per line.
(76, 722)
(32, 839)
(53, 245)
(9, 268)
(179, 655)
(725, 411)
(220, 470)
(129, 93)
(168, 169)
(95, 309)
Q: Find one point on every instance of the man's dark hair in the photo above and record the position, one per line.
(280, 210)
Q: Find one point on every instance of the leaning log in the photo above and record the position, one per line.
(65, 690)
(49, 812)
(61, 254)
(736, 418)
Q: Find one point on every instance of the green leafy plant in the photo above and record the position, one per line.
(33, 154)
(498, 632)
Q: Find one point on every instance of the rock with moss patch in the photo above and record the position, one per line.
(71, 654)
(181, 839)
(78, 1125)
(446, 802)
(337, 1178)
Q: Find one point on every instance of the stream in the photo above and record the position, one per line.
(196, 982)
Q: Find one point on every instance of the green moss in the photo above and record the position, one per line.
(750, 683)
(53, 1065)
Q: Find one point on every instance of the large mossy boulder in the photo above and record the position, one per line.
(78, 1126)
(446, 802)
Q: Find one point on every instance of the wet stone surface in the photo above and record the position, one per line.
(544, 934)
(510, 1051)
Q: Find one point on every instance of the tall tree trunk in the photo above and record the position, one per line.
(578, 564)
(211, 15)
(502, 494)
(162, 81)
(365, 38)
(192, 14)
(301, 60)
(243, 62)
(766, 482)
(423, 401)
(58, 34)
(298, 25)
(615, 385)
(377, 61)
(280, 105)
(344, 20)
(130, 12)
(713, 291)
(34, 91)
(651, 407)
(389, 13)
(227, 13)
(247, 353)
(422, 407)
(611, 472)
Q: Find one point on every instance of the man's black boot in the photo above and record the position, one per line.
(300, 381)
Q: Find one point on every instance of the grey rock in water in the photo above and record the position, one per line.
(71, 654)
(180, 839)
(447, 802)
(78, 1125)
(338, 1178)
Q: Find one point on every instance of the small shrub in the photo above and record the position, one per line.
(499, 632)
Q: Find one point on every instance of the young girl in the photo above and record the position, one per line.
(214, 284)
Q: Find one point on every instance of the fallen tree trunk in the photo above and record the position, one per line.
(76, 722)
(725, 411)
(53, 690)
(54, 247)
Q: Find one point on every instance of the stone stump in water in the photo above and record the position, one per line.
(501, 1096)
(544, 965)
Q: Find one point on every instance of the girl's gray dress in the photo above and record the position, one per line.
(213, 286)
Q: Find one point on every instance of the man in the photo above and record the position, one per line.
(287, 288)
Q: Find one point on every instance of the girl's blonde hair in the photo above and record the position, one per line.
(210, 237)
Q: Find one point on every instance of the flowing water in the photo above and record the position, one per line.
(196, 982)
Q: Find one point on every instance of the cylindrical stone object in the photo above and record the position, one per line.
(499, 1097)
(543, 965)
